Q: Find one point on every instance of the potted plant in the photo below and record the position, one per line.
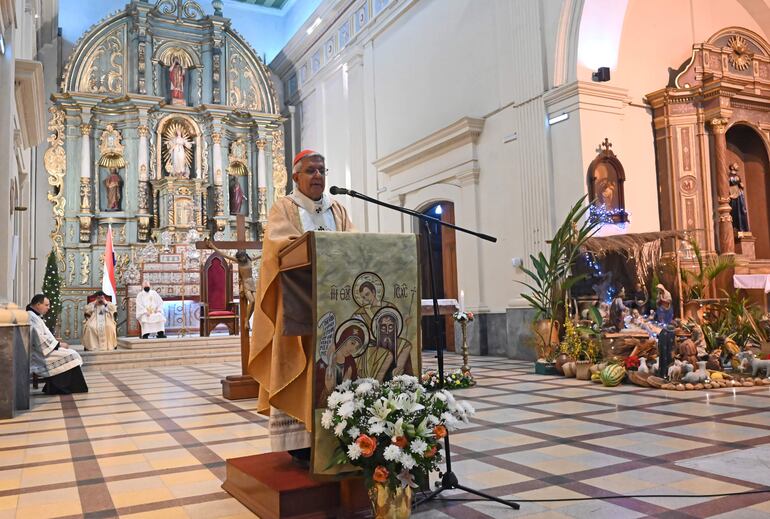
(550, 278)
(580, 344)
(393, 432)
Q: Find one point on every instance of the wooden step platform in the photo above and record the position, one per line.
(274, 487)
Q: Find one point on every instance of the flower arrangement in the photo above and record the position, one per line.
(632, 362)
(454, 380)
(462, 315)
(392, 430)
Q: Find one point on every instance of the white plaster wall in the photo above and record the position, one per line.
(424, 64)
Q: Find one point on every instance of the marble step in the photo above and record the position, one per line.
(164, 352)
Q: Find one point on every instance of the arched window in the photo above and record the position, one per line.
(605, 186)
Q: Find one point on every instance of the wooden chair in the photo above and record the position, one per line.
(217, 305)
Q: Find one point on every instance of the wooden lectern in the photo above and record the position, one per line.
(358, 291)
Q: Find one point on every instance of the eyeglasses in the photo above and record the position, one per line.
(312, 171)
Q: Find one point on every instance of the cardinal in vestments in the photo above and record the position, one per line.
(283, 364)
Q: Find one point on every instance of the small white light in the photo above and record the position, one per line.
(517, 262)
(2, 45)
(315, 24)
(558, 118)
(438, 210)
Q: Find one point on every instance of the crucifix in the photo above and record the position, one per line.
(237, 387)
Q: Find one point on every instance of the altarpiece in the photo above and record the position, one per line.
(166, 126)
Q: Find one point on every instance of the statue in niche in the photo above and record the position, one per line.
(113, 184)
(184, 212)
(178, 150)
(176, 74)
(237, 196)
(738, 200)
(606, 196)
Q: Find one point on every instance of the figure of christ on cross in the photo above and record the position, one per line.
(243, 386)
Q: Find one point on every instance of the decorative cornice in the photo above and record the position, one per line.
(30, 101)
(579, 89)
(464, 131)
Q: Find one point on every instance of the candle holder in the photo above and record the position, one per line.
(464, 318)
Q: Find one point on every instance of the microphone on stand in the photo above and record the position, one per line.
(338, 190)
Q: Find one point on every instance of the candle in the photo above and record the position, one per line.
(462, 301)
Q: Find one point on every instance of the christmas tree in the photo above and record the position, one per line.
(52, 290)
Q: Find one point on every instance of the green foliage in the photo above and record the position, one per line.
(52, 290)
(696, 282)
(734, 317)
(550, 277)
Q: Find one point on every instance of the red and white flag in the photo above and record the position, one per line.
(108, 279)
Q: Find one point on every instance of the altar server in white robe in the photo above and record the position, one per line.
(49, 358)
(149, 312)
(100, 333)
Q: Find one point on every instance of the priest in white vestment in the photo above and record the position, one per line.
(149, 312)
(49, 358)
(100, 333)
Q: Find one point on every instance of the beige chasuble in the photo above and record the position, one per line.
(282, 364)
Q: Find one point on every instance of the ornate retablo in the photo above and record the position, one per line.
(154, 131)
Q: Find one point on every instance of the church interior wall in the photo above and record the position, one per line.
(21, 130)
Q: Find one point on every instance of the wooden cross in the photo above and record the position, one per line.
(246, 387)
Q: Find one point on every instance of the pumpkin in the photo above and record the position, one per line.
(612, 375)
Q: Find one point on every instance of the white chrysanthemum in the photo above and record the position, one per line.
(346, 409)
(345, 385)
(376, 428)
(364, 388)
(418, 446)
(407, 461)
(339, 429)
(440, 395)
(334, 400)
(347, 396)
(326, 419)
(354, 432)
(354, 451)
(392, 452)
(450, 420)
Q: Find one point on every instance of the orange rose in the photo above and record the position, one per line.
(367, 445)
(380, 474)
(400, 441)
(439, 431)
(430, 452)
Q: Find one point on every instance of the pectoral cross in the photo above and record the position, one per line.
(237, 387)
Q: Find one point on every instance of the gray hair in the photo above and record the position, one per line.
(298, 165)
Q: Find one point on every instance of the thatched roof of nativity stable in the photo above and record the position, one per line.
(629, 244)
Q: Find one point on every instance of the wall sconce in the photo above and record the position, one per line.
(601, 75)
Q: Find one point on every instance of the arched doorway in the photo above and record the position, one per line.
(746, 149)
(443, 247)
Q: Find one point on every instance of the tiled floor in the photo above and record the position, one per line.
(152, 443)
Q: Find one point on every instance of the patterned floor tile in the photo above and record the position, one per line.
(133, 447)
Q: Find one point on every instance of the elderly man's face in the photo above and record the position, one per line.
(311, 177)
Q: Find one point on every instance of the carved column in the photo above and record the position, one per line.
(143, 228)
(85, 183)
(726, 239)
(262, 186)
(219, 197)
